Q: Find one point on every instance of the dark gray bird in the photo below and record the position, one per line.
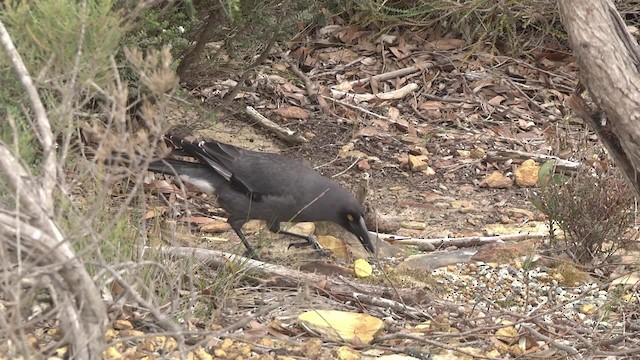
(265, 186)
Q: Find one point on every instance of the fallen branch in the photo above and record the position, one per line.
(393, 74)
(521, 156)
(365, 293)
(566, 348)
(283, 133)
(355, 107)
(468, 241)
(389, 95)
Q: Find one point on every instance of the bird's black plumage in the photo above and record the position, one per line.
(266, 186)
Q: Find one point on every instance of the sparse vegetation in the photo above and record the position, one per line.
(105, 72)
(593, 209)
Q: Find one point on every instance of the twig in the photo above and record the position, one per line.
(355, 107)
(523, 155)
(463, 241)
(389, 95)
(347, 169)
(422, 339)
(165, 322)
(310, 86)
(283, 133)
(393, 74)
(329, 286)
(566, 348)
(263, 56)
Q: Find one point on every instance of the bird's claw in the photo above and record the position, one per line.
(311, 241)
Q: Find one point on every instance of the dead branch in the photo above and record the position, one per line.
(325, 286)
(43, 128)
(283, 133)
(84, 315)
(520, 156)
(393, 74)
(309, 85)
(566, 348)
(389, 95)
(468, 241)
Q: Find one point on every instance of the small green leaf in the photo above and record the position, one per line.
(545, 173)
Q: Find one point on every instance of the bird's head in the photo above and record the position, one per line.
(352, 219)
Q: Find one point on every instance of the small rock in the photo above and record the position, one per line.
(338, 247)
(111, 353)
(428, 171)
(508, 334)
(342, 326)
(347, 353)
(418, 163)
(527, 173)
(201, 354)
(496, 180)
(427, 247)
(588, 309)
(122, 325)
(311, 348)
(464, 153)
(477, 153)
(302, 228)
(463, 206)
(413, 225)
(403, 160)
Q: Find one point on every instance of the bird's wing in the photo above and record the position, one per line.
(251, 172)
(272, 174)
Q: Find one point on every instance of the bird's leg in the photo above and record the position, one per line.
(236, 225)
(275, 228)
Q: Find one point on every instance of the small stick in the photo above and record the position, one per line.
(283, 133)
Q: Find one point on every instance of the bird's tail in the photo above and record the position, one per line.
(196, 174)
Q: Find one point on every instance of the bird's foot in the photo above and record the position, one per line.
(252, 254)
(312, 241)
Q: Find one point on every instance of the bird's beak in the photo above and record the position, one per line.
(361, 232)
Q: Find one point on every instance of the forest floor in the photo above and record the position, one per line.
(442, 130)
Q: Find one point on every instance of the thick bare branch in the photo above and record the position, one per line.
(43, 127)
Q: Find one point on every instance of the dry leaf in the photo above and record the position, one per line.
(292, 112)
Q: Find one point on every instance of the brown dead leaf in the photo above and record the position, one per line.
(155, 212)
(393, 113)
(292, 112)
(447, 44)
(197, 219)
(496, 100)
(375, 86)
(431, 105)
(368, 131)
(162, 186)
(343, 86)
(215, 227)
(364, 165)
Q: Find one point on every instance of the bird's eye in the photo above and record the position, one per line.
(350, 217)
